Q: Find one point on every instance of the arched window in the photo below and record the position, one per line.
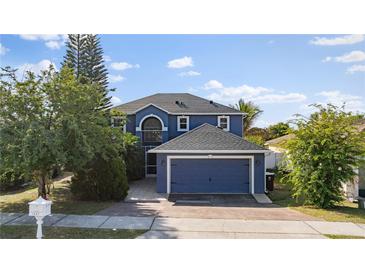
(152, 131)
(151, 123)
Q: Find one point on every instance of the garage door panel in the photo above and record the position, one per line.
(209, 176)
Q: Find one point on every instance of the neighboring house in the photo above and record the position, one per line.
(277, 149)
(193, 145)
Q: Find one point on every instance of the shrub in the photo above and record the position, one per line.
(134, 157)
(104, 178)
(10, 180)
(323, 154)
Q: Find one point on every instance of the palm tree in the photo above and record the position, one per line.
(252, 112)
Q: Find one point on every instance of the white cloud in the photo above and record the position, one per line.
(3, 50)
(35, 68)
(356, 68)
(52, 41)
(231, 95)
(189, 73)
(213, 84)
(337, 98)
(115, 78)
(340, 40)
(123, 66)
(44, 37)
(107, 58)
(353, 56)
(292, 97)
(115, 100)
(181, 63)
(53, 44)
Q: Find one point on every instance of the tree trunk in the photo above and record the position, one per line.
(42, 179)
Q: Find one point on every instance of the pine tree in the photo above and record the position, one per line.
(75, 57)
(95, 70)
(85, 56)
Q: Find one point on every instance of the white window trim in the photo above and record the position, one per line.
(251, 170)
(125, 128)
(187, 123)
(228, 122)
(139, 128)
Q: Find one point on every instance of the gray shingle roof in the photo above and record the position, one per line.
(188, 103)
(209, 138)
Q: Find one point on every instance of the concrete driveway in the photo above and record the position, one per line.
(143, 201)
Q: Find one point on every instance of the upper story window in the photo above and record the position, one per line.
(118, 122)
(223, 122)
(182, 123)
(151, 130)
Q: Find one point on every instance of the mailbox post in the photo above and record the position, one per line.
(39, 209)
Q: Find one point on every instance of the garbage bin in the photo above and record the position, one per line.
(361, 202)
(270, 181)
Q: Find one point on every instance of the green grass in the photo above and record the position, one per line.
(29, 232)
(332, 236)
(17, 201)
(344, 212)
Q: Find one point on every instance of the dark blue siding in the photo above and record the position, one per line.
(161, 174)
(131, 124)
(236, 125)
(209, 176)
(197, 120)
(259, 172)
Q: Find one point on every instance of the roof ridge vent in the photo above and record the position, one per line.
(211, 102)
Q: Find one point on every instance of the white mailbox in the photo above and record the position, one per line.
(39, 209)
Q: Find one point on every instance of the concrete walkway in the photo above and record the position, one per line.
(144, 190)
(188, 228)
(81, 221)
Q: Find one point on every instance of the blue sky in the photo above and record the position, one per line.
(280, 73)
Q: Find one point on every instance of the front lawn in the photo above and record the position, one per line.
(332, 236)
(345, 212)
(17, 201)
(29, 232)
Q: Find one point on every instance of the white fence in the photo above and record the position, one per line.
(272, 159)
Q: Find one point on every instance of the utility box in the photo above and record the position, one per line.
(270, 181)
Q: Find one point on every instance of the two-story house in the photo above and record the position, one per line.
(193, 145)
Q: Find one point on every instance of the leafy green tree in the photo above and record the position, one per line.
(278, 130)
(133, 156)
(50, 121)
(256, 139)
(326, 149)
(252, 113)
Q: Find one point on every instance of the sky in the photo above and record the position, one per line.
(283, 74)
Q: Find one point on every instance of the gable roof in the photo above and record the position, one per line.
(282, 140)
(188, 104)
(208, 138)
